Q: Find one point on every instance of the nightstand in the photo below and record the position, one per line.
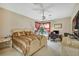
(5, 42)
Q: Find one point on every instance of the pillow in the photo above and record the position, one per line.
(15, 34)
(27, 33)
(22, 33)
(30, 32)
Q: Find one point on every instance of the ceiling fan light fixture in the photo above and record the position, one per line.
(43, 17)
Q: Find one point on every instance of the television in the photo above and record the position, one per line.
(56, 31)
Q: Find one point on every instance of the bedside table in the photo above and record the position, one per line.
(5, 42)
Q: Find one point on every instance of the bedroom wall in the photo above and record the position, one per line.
(10, 20)
(66, 23)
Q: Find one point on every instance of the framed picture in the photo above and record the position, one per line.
(57, 26)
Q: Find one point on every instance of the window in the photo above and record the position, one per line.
(46, 26)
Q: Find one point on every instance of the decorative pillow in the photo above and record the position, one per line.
(15, 34)
(31, 33)
(27, 33)
(22, 33)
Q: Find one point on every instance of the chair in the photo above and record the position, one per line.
(54, 36)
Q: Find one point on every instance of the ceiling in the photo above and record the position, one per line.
(33, 10)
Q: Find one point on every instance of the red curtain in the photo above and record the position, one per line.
(46, 26)
(37, 26)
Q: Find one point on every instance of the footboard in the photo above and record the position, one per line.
(20, 45)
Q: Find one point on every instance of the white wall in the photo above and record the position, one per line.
(10, 20)
(66, 23)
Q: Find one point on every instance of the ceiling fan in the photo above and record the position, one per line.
(42, 8)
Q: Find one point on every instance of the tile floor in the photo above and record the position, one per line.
(52, 49)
